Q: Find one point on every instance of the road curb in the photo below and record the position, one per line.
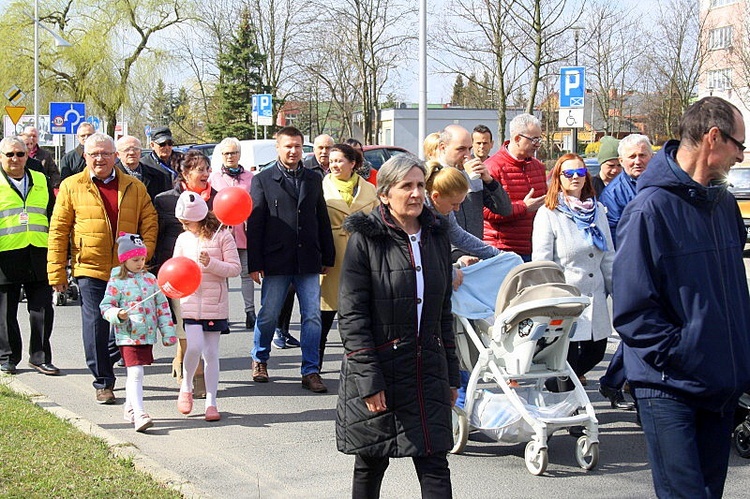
(119, 448)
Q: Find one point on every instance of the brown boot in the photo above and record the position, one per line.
(177, 361)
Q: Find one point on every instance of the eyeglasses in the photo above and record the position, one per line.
(534, 140)
(230, 153)
(166, 143)
(18, 154)
(98, 155)
(581, 172)
(739, 144)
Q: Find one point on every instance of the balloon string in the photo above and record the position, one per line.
(221, 224)
(133, 307)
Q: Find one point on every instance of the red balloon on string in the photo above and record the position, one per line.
(232, 205)
(179, 277)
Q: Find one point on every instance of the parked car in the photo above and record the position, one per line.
(207, 149)
(377, 155)
(256, 153)
(739, 185)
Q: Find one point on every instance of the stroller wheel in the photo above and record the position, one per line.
(741, 439)
(60, 299)
(460, 430)
(587, 453)
(536, 458)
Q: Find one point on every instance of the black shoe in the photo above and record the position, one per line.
(45, 368)
(616, 398)
(8, 368)
(250, 320)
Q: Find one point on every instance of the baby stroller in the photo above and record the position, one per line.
(517, 349)
(741, 434)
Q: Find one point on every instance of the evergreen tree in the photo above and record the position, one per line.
(239, 79)
(160, 109)
(457, 99)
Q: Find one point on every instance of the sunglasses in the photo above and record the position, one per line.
(166, 143)
(581, 172)
(18, 154)
(739, 144)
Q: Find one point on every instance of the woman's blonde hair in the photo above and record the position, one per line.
(555, 185)
(446, 181)
(430, 146)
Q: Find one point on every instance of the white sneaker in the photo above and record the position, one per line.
(142, 422)
(127, 413)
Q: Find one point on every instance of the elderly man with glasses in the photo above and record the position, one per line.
(522, 176)
(73, 161)
(92, 208)
(26, 202)
(129, 161)
(163, 157)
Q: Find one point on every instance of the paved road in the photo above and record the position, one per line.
(277, 440)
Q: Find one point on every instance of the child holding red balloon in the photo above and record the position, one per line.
(133, 304)
(205, 313)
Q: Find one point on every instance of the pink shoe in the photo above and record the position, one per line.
(212, 414)
(185, 402)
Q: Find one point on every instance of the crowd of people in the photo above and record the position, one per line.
(657, 234)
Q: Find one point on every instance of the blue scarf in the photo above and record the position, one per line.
(583, 213)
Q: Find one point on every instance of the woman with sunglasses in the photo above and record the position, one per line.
(571, 229)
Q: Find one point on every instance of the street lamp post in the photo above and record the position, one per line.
(59, 42)
(576, 30)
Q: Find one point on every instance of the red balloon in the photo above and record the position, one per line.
(179, 277)
(232, 205)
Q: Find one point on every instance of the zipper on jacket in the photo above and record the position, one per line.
(392, 343)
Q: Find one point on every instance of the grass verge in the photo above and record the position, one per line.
(43, 456)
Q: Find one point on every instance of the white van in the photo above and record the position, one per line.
(255, 154)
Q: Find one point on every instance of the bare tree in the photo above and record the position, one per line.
(614, 64)
(677, 57)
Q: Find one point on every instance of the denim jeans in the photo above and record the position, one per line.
(98, 342)
(272, 295)
(688, 447)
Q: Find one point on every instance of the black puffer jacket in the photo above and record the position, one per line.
(384, 350)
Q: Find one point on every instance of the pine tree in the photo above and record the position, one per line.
(457, 99)
(160, 109)
(239, 79)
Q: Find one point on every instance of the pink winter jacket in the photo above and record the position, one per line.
(219, 181)
(211, 300)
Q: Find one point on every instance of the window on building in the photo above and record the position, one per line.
(720, 38)
(721, 3)
(720, 79)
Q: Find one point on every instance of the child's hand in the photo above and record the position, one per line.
(168, 341)
(122, 315)
(204, 258)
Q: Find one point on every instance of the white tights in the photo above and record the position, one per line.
(205, 343)
(134, 389)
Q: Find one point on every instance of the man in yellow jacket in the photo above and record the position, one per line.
(26, 202)
(92, 208)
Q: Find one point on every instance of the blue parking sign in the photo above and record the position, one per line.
(265, 109)
(66, 116)
(572, 86)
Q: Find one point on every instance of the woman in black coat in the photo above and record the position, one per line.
(400, 371)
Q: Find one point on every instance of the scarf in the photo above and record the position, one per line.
(583, 213)
(233, 172)
(346, 187)
(205, 193)
(135, 173)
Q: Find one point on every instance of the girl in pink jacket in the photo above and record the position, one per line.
(205, 313)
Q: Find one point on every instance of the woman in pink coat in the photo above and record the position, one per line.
(205, 313)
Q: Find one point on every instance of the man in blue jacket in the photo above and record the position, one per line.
(681, 301)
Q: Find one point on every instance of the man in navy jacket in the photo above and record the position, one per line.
(289, 241)
(681, 301)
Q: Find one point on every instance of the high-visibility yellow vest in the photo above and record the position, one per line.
(13, 211)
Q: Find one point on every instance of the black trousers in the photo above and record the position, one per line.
(41, 316)
(326, 321)
(432, 471)
(583, 356)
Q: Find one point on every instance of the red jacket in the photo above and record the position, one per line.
(513, 233)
